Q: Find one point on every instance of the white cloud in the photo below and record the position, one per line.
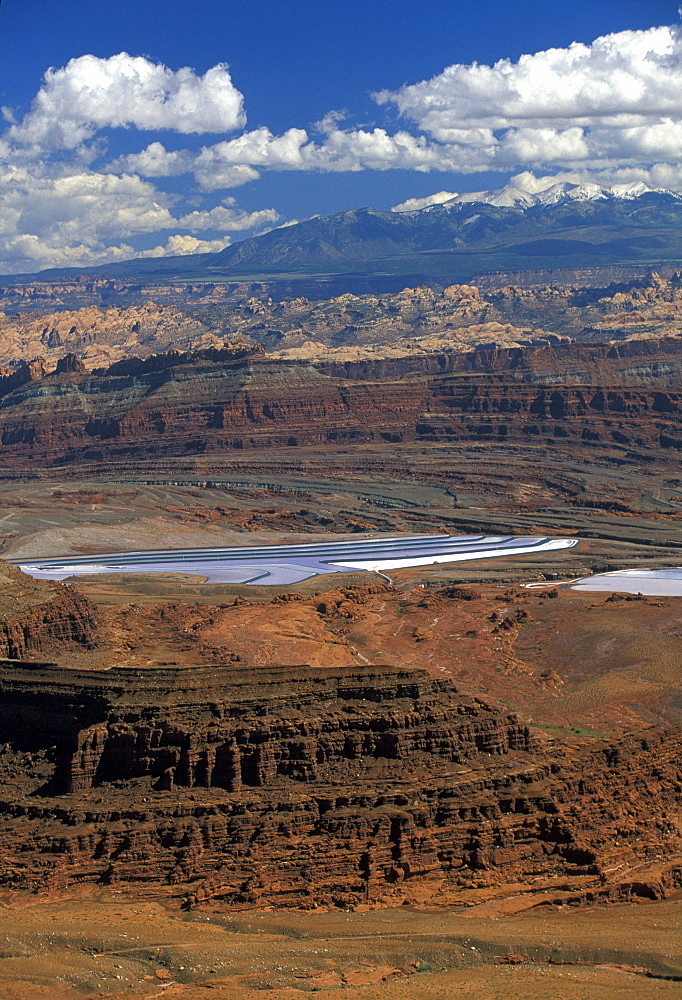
(182, 246)
(222, 176)
(227, 218)
(663, 139)
(634, 73)
(79, 217)
(155, 161)
(414, 204)
(58, 204)
(90, 93)
(80, 204)
(35, 254)
(618, 99)
(213, 167)
(348, 150)
(237, 159)
(27, 252)
(543, 145)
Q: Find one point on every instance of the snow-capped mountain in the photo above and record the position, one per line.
(515, 197)
(563, 225)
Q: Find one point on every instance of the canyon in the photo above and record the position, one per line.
(238, 398)
(442, 748)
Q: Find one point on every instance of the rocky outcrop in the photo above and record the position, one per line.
(100, 336)
(198, 727)
(293, 786)
(38, 618)
(70, 364)
(27, 371)
(126, 320)
(633, 363)
(461, 410)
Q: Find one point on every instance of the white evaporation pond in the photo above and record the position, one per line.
(277, 565)
(497, 548)
(274, 574)
(649, 582)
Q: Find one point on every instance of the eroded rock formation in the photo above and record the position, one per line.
(100, 336)
(122, 322)
(224, 399)
(299, 786)
(37, 617)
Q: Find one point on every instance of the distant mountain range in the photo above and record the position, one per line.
(565, 226)
(512, 196)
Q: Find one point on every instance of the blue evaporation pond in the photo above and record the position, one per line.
(278, 565)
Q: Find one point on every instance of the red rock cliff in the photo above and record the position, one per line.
(206, 402)
(296, 786)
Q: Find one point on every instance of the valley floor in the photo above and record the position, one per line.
(107, 944)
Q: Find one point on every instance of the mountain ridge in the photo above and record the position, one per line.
(512, 196)
(572, 226)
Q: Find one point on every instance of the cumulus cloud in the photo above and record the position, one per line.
(155, 161)
(658, 175)
(227, 218)
(219, 175)
(652, 141)
(28, 252)
(82, 217)
(236, 161)
(609, 112)
(35, 253)
(616, 101)
(90, 93)
(79, 205)
(183, 246)
(619, 98)
(224, 164)
(360, 149)
(633, 73)
(415, 204)
(542, 145)
(61, 205)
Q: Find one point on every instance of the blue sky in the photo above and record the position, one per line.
(325, 106)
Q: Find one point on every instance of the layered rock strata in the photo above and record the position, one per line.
(296, 787)
(213, 401)
(37, 617)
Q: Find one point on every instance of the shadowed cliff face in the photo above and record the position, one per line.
(290, 785)
(211, 401)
